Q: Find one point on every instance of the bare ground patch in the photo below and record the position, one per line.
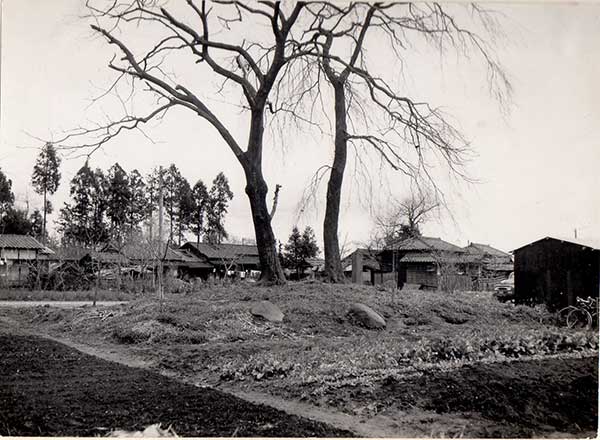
(318, 361)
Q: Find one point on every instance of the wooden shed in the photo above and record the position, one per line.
(555, 271)
(18, 254)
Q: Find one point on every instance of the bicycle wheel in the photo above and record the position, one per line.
(579, 318)
(563, 314)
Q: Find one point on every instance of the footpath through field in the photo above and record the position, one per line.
(59, 304)
(49, 389)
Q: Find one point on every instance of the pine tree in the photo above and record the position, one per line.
(199, 204)
(82, 221)
(37, 223)
(138, 208)
(299, 248)
(172, 185)
(100, 231)
(118, 200)
(293, 252)
(310, 248)
(184, 209)
(7, 198)
(46, 177)
(15, 221)
(219, 197)
(152, 192)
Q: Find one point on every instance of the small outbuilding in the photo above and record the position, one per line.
(555, 271)
(225, 258)
(18, 255)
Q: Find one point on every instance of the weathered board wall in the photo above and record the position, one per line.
(18, 254)
(555, 272)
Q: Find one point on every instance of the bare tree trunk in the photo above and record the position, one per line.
(45, 212)
(333, 264)
(256, 189)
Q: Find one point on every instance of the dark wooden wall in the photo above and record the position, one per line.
(555, 272)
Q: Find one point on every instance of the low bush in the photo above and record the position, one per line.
(475, 348)
(257, 368)
(127, 335)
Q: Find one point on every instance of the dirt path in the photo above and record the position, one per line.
(59, 304)
(47, 388)
(375, 427)
(535, 397)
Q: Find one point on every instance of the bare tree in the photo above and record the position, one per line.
(403, 218)
(371, 115)
(186, 31)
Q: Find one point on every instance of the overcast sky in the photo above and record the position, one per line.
(538, 165)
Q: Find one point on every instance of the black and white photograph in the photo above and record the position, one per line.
(299, 219)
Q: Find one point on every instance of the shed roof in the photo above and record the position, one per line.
(485, 249)
(150, 251)
(428, 257)
(369, 259)
(70, 253)
(242, 260)
(223, 250)
(107, 257)
(500, 267)
(586, 242)
(16, 241)
(425, 244)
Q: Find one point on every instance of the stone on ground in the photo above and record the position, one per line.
(366, 316)
(268, 311)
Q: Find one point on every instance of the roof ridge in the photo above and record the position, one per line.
(220, 244)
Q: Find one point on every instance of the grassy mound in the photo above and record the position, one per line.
(211, 333)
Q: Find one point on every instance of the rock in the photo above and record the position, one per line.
(366, 316)
(268, 311)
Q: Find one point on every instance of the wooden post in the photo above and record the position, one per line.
(570, 295)
(160, 231)
(19, 267)
(97, 280)
(357, 267)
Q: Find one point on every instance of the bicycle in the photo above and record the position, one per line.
(582, 315)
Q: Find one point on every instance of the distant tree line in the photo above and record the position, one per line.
(113, 205)
(14, 220)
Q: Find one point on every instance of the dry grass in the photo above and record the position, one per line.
(51, 295)
(212, 335)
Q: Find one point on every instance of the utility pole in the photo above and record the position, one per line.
(160, 233)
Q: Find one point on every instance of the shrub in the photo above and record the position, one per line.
(126, 335)
(257, 369)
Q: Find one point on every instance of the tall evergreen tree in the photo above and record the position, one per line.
(200, 201)
(46, 177)
(37, 223)
(82, 221)
(299, 248)
(184, 209)
(292, 251)
(171, 185)
(219, 197)
(178, 203)
(152, 192)
(310, 248)
(118, 200)
(138, 206)
(15, 221)
(99, 203)
(7, 198)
